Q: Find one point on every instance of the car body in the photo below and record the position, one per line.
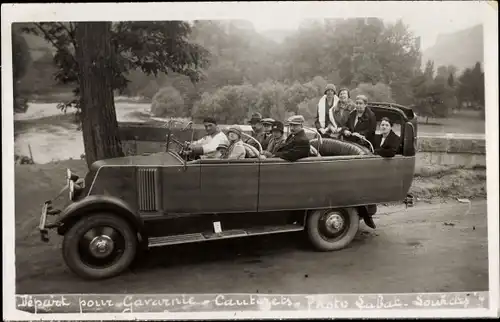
(161, 199)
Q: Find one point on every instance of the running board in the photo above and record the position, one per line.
(235, 233)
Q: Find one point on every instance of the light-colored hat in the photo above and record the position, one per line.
(296, 119)
(330, 87)
(223, 146)
(268, 121)
(235, 129)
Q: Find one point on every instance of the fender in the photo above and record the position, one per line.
(93, 203)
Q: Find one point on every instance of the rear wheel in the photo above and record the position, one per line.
(332, 229)
(99, 246)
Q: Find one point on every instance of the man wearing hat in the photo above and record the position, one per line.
(325, 120)
(236, 149)
(257, 128)
(277, 139)
(267, 124)
(206, 147)
(297, 145)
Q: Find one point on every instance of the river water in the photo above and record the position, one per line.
(52, 142)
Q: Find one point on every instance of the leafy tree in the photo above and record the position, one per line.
(272, 99)
(377, 93)
(152, 47)
(230, 104)
(429, 70)
(471, 86)
(93, 52)
(21, 60)
(168, 102)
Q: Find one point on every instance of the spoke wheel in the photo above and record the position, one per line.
(332, 229)
(99, 246)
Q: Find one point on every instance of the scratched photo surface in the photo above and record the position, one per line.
(107, 100)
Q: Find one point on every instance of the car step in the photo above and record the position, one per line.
(235, 233)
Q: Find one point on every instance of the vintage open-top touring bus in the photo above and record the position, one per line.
(125, 205)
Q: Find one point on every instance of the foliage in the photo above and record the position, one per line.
(168, 102)
(272, 99)
(433, 96)
(21, 60)
(377, 93)
(230, 104)
(151, 47)
(471, 86)
(308, 109)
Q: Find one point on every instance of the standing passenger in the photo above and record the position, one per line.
(361, 122)
(324, 115)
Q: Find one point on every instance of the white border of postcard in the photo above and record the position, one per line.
(241, 10)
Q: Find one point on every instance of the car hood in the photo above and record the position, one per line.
(154, 159)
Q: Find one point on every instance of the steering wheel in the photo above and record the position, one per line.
(173, 139)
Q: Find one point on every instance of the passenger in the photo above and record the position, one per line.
(236, 149)
(324, 116)
(296, 145)
(206, 147)
(267, 124)
(257, 130)
(361, 122)
(277, 140)
(221, 150)
(387, 143)
(345, 107)
(340, 114)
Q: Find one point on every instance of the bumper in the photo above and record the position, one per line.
(47, 210)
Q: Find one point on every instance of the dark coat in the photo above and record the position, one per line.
(389, 148)
(366, 126)
(265, 140)
(259, 137)
(296, 146)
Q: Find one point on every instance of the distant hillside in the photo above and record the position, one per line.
(462, 49)
(277, 35)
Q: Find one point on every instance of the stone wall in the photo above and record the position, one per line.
(442, 149)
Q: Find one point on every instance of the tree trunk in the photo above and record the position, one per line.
(99, 125)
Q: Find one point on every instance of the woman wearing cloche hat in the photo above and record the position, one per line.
(236, 149)
(325, 120)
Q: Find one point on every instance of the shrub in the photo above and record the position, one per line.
(230, 104)
(167, 102)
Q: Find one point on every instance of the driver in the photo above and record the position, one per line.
(206, 147)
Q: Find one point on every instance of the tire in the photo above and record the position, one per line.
(77, 253)
(324, 240)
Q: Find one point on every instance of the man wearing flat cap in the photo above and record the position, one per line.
(267, 124)
(297, 145)
(257, 130)
(206, 147)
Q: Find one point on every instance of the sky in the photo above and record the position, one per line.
(426, 20)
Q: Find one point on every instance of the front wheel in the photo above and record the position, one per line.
(99, 246)
(332, 229)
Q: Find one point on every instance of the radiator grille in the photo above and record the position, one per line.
(148, 189)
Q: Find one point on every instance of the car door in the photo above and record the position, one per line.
(180, 188)
(229, 186)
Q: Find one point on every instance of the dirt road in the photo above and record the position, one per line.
(427, 248)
